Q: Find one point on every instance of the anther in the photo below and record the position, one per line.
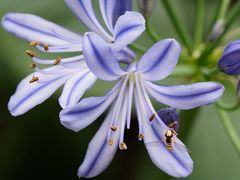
(33, 66)
(140, 136)
(34, 79)
(123, 146)
(34, 43)
(30, 53)
(46, 47)
(152, 117)
(114, 128)
(57, 60)
(110, 141)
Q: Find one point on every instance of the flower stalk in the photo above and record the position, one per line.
(229, 128)
(152, 34)
(199, 26)
(181, 30)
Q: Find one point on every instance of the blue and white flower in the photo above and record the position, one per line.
(136, 80)
(124, 26)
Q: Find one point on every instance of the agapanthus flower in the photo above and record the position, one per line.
(123, 25)
(136, 80)
(230, 59)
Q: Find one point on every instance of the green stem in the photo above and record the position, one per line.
(228, 107)
(210, 72)
(223, 9)
(229, 128)
(229, 21)
(139, 49)
(220, 13)
(178, 25)
(152, 34)
(199, 26)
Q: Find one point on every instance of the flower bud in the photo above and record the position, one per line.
(169, 116)
(146, 7)
(217, 31)
(230, 59)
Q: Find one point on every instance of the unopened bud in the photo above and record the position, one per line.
(230, 59)
(146, 7)
(170, 117)
(217, 30)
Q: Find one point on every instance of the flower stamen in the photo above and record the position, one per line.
(152, 117)
(110, 141)
(33, 66)
(46, 47)
(123, 146)
(30, 53)
(34, 43)
(34, 79)
(57, 60)
(114, 128)
(140, 136)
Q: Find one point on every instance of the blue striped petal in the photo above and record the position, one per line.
(186, 96)
(83, 9)
(33, 28)
(28, 95)
(111, 10)
(100, 58)
(128, 28)
(99, 153)
(230, 60)
(75, 87)
(175, 162)
(87, 110)
(160, 60)
(125, 55)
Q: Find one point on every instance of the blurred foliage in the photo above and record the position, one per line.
(36, 146)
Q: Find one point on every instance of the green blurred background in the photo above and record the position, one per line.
(36, 146)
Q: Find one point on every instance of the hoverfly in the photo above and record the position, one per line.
(168, 140)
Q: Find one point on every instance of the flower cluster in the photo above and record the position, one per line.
(101, 56)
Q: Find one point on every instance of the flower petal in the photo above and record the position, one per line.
(34, 28)
(99, 153)
(75, 87)
(186, 96)
(100, 58)
(175, 162)
(27, 95)
(87, 110)
(83, 9)
(160, 60)
(128, 28)
(125, 55)
(111, 10)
